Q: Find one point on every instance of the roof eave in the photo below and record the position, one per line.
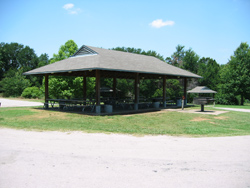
(108, 69)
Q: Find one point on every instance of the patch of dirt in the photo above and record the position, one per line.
(221, 117)
(199, 119)
(146, 113)
(212, 123)
(45, 115)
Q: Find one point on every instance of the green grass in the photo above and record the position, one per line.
(166, 123)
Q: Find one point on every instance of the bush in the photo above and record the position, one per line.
(31, 92)
(247, 101)
(227, 99)
(14, 83)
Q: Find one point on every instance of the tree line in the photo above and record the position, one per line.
(231, 81)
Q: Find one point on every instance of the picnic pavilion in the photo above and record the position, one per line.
(203, 90)
(102, 63)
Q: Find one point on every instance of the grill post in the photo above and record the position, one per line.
(202, 107)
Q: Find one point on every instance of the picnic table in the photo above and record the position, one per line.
(68, 104)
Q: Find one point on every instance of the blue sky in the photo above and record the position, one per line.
(212, 28)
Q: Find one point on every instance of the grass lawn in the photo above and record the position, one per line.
(165, 123)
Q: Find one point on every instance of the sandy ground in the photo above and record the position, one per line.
(17, 103)
(205, 112)
(74, 159)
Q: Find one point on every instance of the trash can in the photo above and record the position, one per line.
(108, 108)
(178, 102)
(98, 109)
(156, 104)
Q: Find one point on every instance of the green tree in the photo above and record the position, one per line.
(185, 59)
(67, 87)
(15, 56)
(190, 61)
(43, 60)
(225, 91)
(239, 74)
(209, 69)
(14, 83)
(65, 51)
(176, 58)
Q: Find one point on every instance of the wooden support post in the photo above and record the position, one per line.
(97, 86)
(46, 105)
(164, 91)
(185, 91)
(114, 87)
(46, 87)
(137, 87)
(84, 87)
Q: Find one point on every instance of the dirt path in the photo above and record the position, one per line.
(57, 159)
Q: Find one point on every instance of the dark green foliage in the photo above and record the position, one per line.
(64, 87)
(43, 60)
(16, 59)
(235, 77)
(68, 87)
(176, 58)
(185, 59)
(151, 88)
(210, 71)
(65, 51)
(31, 92)
(190, 61)
(15, 56)
(14, 83)
(239, 77)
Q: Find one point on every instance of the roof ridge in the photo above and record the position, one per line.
(118, 51)
(84, 50)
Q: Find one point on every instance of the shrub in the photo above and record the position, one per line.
(14, 83)
(227, 99)
(31, 92)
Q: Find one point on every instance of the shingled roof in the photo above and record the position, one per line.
(92, 58)
(201, 89)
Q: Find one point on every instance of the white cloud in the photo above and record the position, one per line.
(75, 11)
(159, 23)
(68, 6)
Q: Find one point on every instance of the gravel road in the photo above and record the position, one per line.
(17, 103)
(31, 159)
(234, 109)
